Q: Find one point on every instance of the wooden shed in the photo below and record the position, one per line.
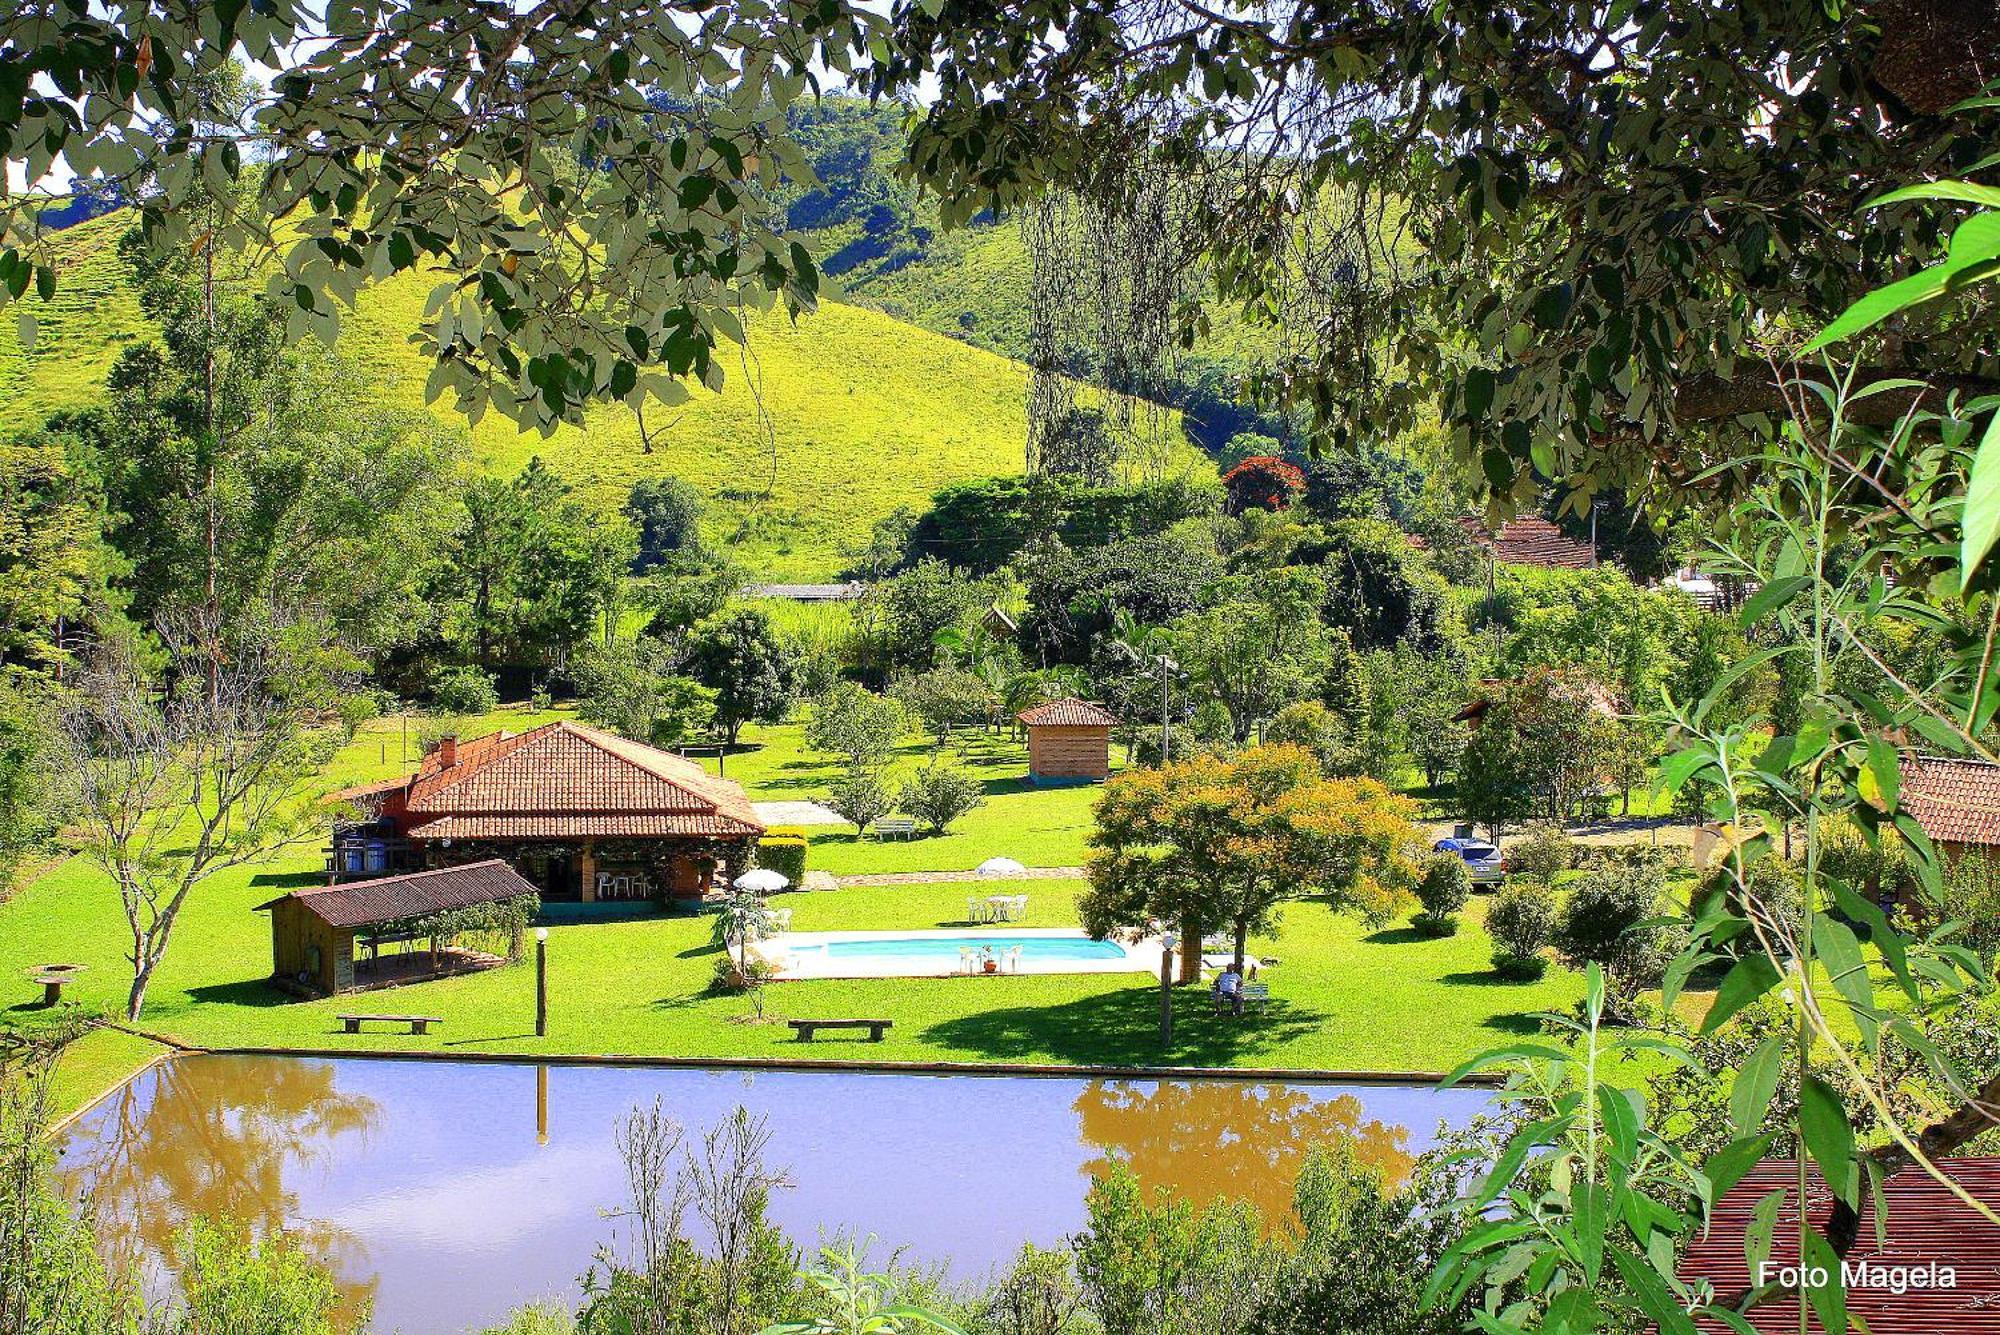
(1069, 741)
(314, 932)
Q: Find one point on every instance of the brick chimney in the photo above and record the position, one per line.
(447, 751)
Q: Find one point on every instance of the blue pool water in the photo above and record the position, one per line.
(910, 947)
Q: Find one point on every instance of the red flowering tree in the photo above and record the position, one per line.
(1264, 483)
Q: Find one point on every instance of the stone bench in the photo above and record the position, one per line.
(418, 1023)
(806, 1028)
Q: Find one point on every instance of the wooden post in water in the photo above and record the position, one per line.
(541, 1105)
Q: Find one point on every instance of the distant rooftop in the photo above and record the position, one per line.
(809, 593)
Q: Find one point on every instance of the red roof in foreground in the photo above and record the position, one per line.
(1925, 1224)
(361, 903)
(1531, 540)
(1956, 801)
(1068, 714)
(566, 780)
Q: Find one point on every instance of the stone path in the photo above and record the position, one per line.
(796, 813)
(938, 877)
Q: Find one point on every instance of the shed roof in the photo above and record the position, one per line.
(362, 903)
(1068, 713)
(1956, 801)
(1924, 1223)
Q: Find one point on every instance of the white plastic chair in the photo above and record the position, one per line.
(965, 959)
(1013, 959)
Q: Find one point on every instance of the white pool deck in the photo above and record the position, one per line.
(781, 953)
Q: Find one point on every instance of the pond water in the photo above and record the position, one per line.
(448, 1193)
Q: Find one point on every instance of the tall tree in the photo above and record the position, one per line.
(736, 655)
(175, 779)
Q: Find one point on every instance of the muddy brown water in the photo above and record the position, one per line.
(447, 1193)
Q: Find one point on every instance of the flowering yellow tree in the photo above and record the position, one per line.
(1210, 843)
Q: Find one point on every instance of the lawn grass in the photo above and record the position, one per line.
(1344, 997)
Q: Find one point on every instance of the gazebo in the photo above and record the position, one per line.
(314, 932)
(1069, 741)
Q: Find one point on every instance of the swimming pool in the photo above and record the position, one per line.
(925, 954)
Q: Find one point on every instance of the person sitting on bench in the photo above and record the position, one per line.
(1229, 990)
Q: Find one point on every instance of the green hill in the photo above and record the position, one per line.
(866, 412)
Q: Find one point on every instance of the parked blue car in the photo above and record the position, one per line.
(1482, 859)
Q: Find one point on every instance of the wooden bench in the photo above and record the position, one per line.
(900, 826)
(805, 1028)
(418, 1023)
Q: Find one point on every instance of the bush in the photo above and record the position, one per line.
(1443, 890)
(1971, 899)
(1774, 889)
(232, 1285)
(1522, 922)
(732, 977)
(784, 854)
(1543, 852)
(1602, 921)
(860, 797)
(937, 795)
(464, 690)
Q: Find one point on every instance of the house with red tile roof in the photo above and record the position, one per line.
(582, 813)
(1956, 801)
(1530, 540)
(1928, 1264)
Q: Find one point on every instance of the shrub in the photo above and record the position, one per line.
(1774, 889)
(1522, 922)
(1543, 852)
(464, 690)
(540, 698)
(733, 976)
(232, 1285)
(1262, 482)
(860, 797)
(937, 795)
(1442, 890)
(784, 854)
(1971, 899)
(1605, 921)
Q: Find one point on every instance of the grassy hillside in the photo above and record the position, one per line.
(866, 412)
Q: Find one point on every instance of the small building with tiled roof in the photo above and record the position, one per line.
(1530, 540)
(584, 814)
(1957, 802)
(314, 931)
(1933, 1267)
(1069, 741)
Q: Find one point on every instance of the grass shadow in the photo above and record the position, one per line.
(1518, 1023)
(1121, 1028)
(1398, 936)
(1485, 978)
(1008, 787)
(289, 880)
(246, 992)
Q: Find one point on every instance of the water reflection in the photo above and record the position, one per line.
(1215, 1139)
(453, 1192)
(227, 1138)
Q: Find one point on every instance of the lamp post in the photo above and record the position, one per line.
(1167, 943)
(541, 982)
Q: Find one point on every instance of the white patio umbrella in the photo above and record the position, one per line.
(999, 867)
(763, 880)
